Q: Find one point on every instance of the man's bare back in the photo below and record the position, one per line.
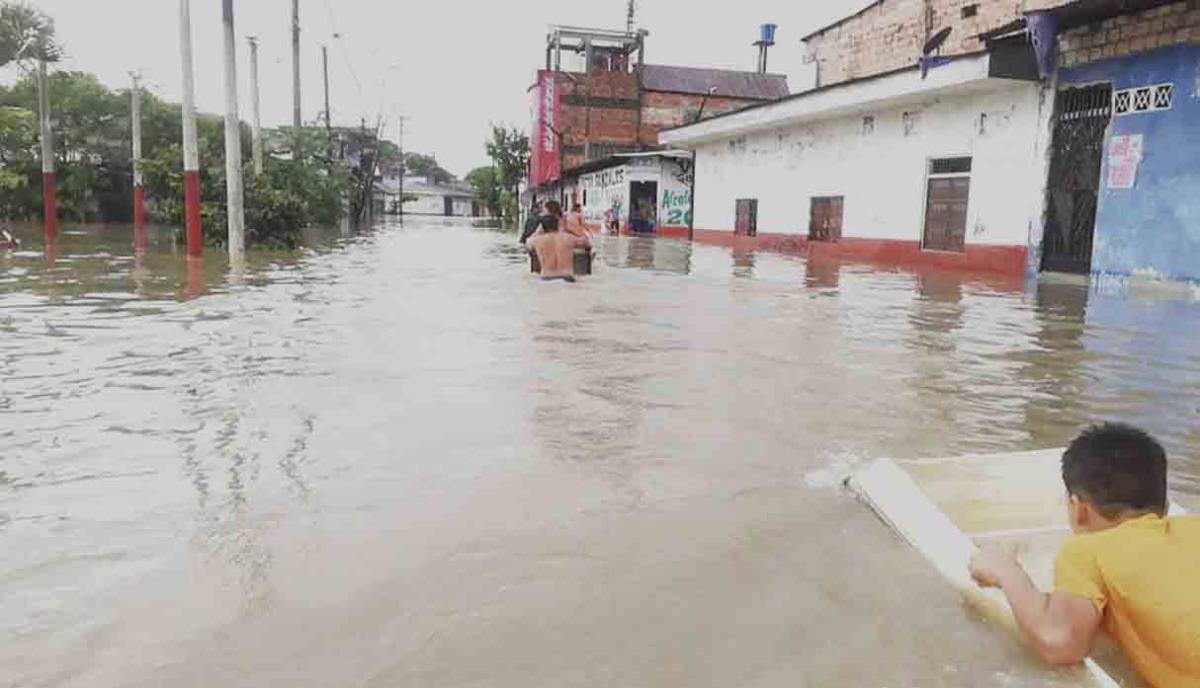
(555, 252)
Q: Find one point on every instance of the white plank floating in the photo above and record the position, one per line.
(894, 494)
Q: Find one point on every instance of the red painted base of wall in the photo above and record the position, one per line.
(50, 206)
(670, 232)
(191, 212)
(998, 260)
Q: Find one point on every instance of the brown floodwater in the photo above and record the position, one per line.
(395, 459)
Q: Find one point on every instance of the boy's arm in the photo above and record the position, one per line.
(1060, 627)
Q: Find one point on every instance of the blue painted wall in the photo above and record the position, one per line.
(1156, 224)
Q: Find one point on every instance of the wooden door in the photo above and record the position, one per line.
(747, 217)
(946, 213)
(825, 219)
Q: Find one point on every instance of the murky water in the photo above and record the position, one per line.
(397, 460)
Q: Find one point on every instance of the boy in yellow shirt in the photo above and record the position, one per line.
(1127, 569)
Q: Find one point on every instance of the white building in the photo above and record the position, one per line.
(427, 197)
(947, 168)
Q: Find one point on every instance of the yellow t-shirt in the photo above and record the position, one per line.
(1144, 576)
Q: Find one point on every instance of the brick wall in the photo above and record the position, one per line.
(1158, 28)
(889, 35)
(610, 101)
(667, 110)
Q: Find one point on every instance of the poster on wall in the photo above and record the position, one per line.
(544, 162)
(1124, 156)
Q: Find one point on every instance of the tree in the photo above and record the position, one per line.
(427, 166)
(26, 33)
(485, 181)
(509, 150)
(17, 140)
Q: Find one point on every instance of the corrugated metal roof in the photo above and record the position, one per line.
(729, 83)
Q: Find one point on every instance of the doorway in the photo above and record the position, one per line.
(947, 198)
(746, 221)
(1082, 116)
(447, 206)
(825, 219)
(643, 207)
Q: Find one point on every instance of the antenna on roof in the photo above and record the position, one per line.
(631, 16)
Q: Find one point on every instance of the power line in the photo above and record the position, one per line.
(337, 36)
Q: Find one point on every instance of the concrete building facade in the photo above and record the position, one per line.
(612, 103)
(1060, 139)
(887, 35)
(1144, 198)
(641, 193)
(945, 170)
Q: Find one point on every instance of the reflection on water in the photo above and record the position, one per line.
(352, 465)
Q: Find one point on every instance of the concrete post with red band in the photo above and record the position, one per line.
(49, 188)
(139, 194)
(191, 149)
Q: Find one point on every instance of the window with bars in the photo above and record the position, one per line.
(950, 166)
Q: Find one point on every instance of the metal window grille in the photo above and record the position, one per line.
(1143, 99)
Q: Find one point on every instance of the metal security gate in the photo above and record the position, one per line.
(1082, 117)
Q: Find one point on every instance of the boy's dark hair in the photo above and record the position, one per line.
(1117, 469)
(553, 208)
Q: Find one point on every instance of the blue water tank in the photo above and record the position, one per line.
(767, 33)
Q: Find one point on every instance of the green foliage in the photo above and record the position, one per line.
(426, 166)
(279, 204)
(509, 151)
(17, 141)
(95, 168)
(24, 26)
(486, 183)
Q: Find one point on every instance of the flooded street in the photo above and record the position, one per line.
(357, 466)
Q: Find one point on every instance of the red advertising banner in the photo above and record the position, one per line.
(544, 166)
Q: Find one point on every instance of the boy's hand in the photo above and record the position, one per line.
(991, 566)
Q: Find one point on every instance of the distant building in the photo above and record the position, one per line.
(612, 103)
(426, 196)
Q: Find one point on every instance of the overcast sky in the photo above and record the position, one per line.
(450, 66)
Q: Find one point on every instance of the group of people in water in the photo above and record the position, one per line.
(552, 240)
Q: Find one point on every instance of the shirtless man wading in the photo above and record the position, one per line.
(555, 250)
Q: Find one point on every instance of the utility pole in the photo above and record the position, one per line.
(296, 104)
(191, 149)
(139, 193)
(256, 146)
(328, 117)
(403, 169)
(234, 191)
(325, 68)
(49, 188)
